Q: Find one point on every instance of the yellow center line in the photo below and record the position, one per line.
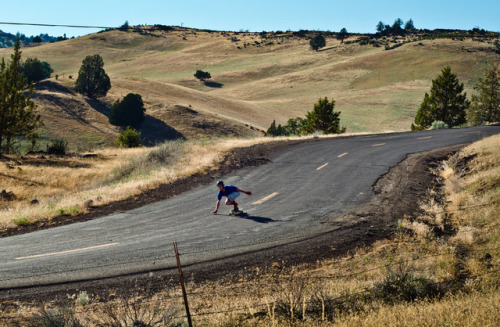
(477, 132)
(68, 251)
(322, 166)
(425, 137)
(264, 199)
(343, 154)
(380, 144)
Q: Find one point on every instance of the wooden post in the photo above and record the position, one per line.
(181, 278)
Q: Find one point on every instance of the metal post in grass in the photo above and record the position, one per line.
(181, 278)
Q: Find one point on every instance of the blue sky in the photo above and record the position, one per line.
(357, 16)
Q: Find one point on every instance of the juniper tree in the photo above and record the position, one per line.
(317, 42)
(35, 70)
(128, 112)
(201, 75)
(342, 35)
(323, 118)
(92, 79)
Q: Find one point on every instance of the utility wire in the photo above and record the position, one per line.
(56, 25)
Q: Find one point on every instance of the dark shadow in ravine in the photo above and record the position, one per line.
(155, 131)
(99, 106)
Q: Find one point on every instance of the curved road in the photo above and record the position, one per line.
(304, 186)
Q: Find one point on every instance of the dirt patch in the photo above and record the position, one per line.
(397, 193)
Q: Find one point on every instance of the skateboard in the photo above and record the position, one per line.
(238, 213)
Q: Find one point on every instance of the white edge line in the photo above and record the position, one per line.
(343, 154)
(264, 199)
(68, 251)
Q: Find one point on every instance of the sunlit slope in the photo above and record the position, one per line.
(256, 79)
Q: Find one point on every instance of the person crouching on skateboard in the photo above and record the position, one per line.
(231, 192)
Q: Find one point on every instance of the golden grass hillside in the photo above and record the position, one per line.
(256, 78)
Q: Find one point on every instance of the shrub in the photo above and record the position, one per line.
(57, 147)
(83, 298)
(290, 301)
(137, 312)
(437, 124)
(401, 284)
(65, 317)
(326, 305)
(129, 138)
(20, 221)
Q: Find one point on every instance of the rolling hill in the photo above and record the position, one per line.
(256, 78)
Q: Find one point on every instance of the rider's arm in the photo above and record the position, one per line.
(216, 207)
(246, 192)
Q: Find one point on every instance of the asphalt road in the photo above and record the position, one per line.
(304, 187)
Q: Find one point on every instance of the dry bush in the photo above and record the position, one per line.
(54, 318)
(136, 312)
(401, 284)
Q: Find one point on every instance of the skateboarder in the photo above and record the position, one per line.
(231, 192)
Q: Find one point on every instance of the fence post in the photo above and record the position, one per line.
(181, 278)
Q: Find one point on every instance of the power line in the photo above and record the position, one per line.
(56, 25)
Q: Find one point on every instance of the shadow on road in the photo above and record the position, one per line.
(261, 220)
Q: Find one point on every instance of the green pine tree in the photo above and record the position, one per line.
(485, 105)
(323, 118)
(272, 130)
(445, 103)
(18, 117)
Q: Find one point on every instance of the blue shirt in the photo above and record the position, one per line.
(228, 189)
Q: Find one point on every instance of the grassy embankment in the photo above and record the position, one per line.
(439, 269)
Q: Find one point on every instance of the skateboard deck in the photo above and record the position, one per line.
(239, 213)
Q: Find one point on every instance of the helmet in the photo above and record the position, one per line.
(220, 183)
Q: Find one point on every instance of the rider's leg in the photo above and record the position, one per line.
(230, 201)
